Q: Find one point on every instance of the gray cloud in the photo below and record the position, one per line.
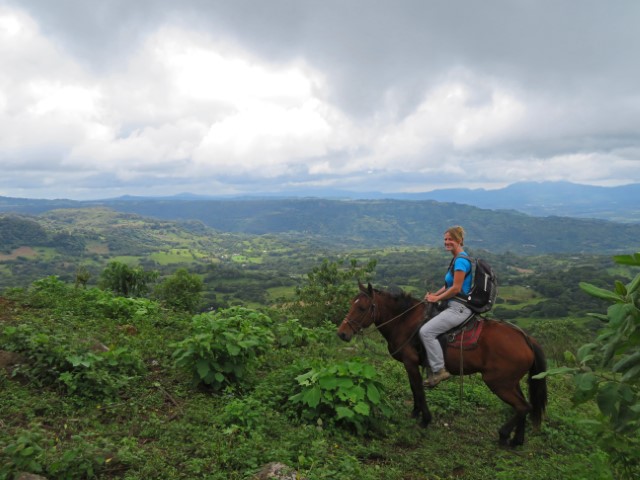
(406, 95)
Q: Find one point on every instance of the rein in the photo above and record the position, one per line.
(373, 309)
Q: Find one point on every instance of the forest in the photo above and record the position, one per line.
(134, 347)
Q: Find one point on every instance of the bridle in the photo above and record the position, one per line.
(371, 311)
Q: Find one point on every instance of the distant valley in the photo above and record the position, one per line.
(368, 223)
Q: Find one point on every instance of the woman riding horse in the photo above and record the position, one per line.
(503, 355)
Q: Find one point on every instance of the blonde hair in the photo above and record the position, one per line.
(457, 233)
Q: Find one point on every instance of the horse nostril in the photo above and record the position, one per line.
(343, 336)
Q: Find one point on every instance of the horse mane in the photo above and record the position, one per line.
(402, 299)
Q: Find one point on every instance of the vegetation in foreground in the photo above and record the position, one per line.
(105, 386)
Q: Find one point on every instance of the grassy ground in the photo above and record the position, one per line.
(160, 426)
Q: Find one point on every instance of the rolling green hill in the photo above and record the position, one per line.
(373, 223)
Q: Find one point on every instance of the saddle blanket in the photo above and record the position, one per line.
(467, 337)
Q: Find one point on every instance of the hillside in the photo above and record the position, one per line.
(376, 223)
(356, 224)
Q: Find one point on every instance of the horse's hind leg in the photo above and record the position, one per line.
(518, 436)
(513, 396)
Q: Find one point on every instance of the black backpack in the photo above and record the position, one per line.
(484, 285)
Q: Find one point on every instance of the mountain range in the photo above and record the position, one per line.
(540, 199)
(350, 222)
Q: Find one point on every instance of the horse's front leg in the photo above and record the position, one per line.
(420, 408)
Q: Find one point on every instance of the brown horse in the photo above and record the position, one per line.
(504, 354)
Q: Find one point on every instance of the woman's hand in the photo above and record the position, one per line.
(431, 297)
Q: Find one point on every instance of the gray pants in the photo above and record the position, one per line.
(451, 317)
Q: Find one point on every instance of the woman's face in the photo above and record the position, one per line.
(450, 244)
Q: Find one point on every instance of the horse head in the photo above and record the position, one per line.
(361, 314)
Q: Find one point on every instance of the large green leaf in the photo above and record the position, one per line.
(627, 362)
(632, 375)
(312, 396)
(608, 399)
(202, 367)
(344, 412)
(634, 285)
(584, 352)
(362, 408)
(373, 394)
(621, 288)
(633, 259)
(328, 382)
(600, 292)
(586, 382)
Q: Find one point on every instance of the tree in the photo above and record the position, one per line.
(328, 290)
(182, 290)
(126, 281)
(608, 371)
(82, 277)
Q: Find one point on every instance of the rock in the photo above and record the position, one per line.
(10, 359)
(277, 471)
(30, 476)
(99, 347)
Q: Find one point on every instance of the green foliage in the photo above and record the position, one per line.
(182, 291)
(75, 367)
(82, 277)
(16, 231)
(224, 345)
(348, 393)
(609, 371)
(122, 308)
(159, 426)
(126, 281)
(328, 289)
(25, 453)
(291, 333)
(33, 450)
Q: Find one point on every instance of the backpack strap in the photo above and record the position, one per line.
(463, 255)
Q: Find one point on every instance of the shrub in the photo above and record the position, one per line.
(224, 346)
(347, 393)
(182, 291)
(609, 371)
(328, 289)
(65, 363)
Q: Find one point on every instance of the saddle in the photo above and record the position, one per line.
(464, 336)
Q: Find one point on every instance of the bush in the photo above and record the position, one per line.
(182, 291)
(224, 346)
(609, 371)
(69, 365)
(347, 393)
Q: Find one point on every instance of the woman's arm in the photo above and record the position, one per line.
(447, 293)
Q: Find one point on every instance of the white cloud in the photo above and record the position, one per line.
(184, 102)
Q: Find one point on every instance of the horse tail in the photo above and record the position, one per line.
(537, 387)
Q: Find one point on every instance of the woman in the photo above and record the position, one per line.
(457, 281)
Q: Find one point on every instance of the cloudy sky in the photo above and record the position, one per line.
(101, 98)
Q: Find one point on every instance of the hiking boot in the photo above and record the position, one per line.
(437, 378)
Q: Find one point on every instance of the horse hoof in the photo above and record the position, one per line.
(425, 422)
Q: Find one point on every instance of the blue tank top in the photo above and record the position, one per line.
(464, 264)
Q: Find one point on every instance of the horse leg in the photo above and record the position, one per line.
(518, 437)
(420, 407)
(511, 394)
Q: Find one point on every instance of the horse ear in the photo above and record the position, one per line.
(370, 289)
(362, 288)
